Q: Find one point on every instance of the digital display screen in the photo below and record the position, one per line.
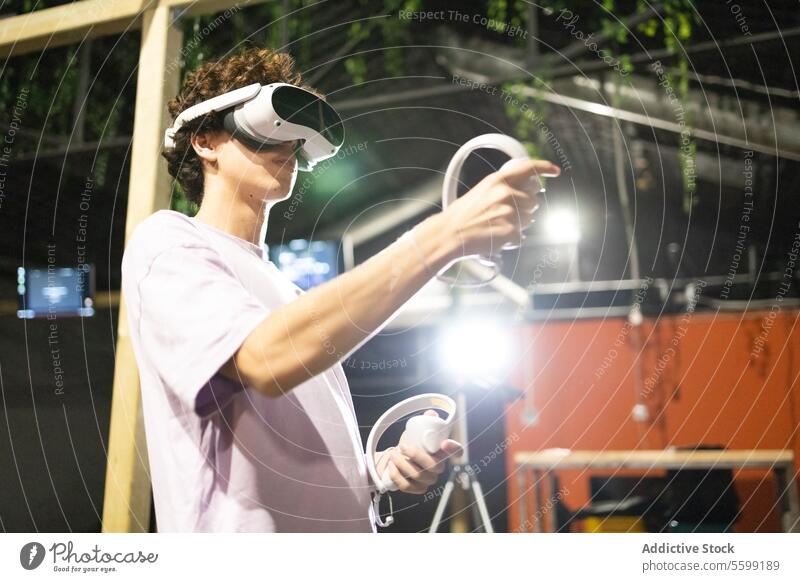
(307, 263)
(54, 291)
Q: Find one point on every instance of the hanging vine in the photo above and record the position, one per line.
(675, 29)
(393, 33)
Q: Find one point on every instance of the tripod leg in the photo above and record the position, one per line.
(476, 515)
(477, 492)
(437, 517)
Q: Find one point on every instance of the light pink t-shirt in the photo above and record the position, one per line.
(223, 457)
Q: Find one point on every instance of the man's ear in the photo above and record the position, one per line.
(206, 145)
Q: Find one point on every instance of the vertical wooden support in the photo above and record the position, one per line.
(126, 507)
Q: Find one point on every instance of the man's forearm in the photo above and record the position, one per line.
(309, 335)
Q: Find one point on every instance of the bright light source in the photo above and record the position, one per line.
(476, 350)
(562, 226)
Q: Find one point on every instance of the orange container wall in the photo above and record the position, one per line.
(706, 378)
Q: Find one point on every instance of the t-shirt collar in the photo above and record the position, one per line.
(258, 250)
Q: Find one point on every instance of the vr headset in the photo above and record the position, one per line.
(261, 116)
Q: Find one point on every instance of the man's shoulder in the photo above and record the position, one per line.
(165, 223)
(162, 230)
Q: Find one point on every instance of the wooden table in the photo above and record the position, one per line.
(542, 464)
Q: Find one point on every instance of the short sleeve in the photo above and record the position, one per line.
(194, 316)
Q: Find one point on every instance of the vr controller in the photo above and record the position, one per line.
(423, 430)
(497, 141)
(427, 431)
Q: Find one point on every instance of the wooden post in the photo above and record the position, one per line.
(126, 506)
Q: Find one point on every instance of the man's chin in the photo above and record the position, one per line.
(273, 194)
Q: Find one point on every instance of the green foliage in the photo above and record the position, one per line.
(497, 10)
(52, 77)
(528, 113)
(356, 67)
(179, 201)
(526, 120)
(394, 35)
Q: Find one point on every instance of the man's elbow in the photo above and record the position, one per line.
(273, 366)
(257, 376)
(271, 374)
(266, 388)
(242, 369)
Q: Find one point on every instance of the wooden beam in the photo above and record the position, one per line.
(70, 23)
(127, 492)
(202, 7)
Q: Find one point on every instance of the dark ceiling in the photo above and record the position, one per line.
(408, 133)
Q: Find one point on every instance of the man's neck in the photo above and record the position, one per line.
(246, 221)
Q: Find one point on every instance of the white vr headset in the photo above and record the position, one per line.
(423, 430)
(260, 116)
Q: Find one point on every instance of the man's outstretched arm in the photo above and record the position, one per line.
(307, 336)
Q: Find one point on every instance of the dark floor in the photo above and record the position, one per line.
(53, 435)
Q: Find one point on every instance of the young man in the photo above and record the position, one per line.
(248, 415)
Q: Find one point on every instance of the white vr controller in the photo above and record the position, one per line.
(497, 141)
(426, 431)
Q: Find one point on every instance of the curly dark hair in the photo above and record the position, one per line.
(251, 65)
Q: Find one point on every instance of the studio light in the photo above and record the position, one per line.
(561, 226)
(476, 350)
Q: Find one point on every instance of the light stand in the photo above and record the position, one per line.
(461, 474)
